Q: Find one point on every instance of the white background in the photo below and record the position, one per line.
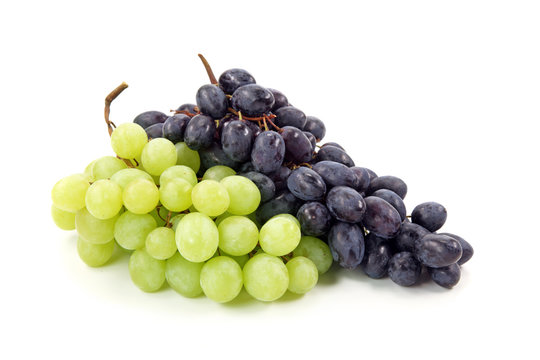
(442, 94)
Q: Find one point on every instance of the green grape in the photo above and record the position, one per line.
(145, 271)
(179, 171)
(65, 220)
(303, 275)
(243, 193)
(287, 216)
(69, 193)
(279, 236)
(92, 229)
(175, 194)
(94, 255)
(104, 199)
(140, 196)
(265, 277)
(106, 166)
(125, 176)
(158, 155)
(197, 237)
(221, 279)
(315, 250)
(238, 235)
(131, 230)
(241, 260)
(186, 156)
(218, 172)
(160, 243)
(128, 140)
(175, 220)
(184, 276)
(222, 217)
(88, 172)
(210, 197)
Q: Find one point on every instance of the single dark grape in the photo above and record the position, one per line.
(335, 174)
(315, 126)
(381, 217)
(199, 133)
(149, 118)
(290, 116)
(190, 108)
(175, 127)
(467, 249)
(232, 79)
(393, 199)
(336, 154)
(377, 256)
(214, 155)
(404, 269)
(347, 245)
(280, 100)
(362, 179)
(408, 235)
(311, 139)
(436, 250)
(306, 184)
(430, 215)
(280, 176)
(346, 204)
(255, 129)
(264, 184)
(236, 140)
(372, 174)
(447, 276)
(388, 182)
(154, 131)
(297, 145)
(268, 152)
(334, 144)
(212, 101)
(252, 100)
(284, 203)
(314, 218)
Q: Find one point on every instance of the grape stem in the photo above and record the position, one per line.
(209, 71)
(108, 100)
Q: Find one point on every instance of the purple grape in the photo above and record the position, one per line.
(437, 251)
(404, 269)
(381, 218)
(466, 248)
(175, 127)
(150, 118)
(297, 145)
(199, 133)
(212, 101)
(407, 236)
(388, 182)
(252, 100)
(154, 131)
(236, 140)
(232, 79)
(362, 179)
(311, 139)
(393, 199)
(290, 116)
(346, 242)
(264, 184)
(430, 215)
(280, 176)
(268, 152)
(315, 126)
(335, 174)
(306, 184)
(314, 218)
(336, 154)
(447, 276)
(346, 204)
(280, 100)
(284, 203)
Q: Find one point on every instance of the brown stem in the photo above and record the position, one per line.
(208, 70)
(108, 100)
(168, 223)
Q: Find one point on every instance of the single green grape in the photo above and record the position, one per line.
(210, 197)
(88, 172)
(287, 216)
(65, 220)
(94, 255)
(218, 172)
(303, 275)
(128, 140)
(265, 277)
(131, 230)
(69, 193)
(179, 171)
(158, 155)
(197, 237)
(104, 199)
(175, 194)
(238, 235)
(184, 276)
(221, 279)
(92, 229)
(160, 243)
(243, 193)
(107, 166)
(125, 176)
(175, 220)
(140, 196)
(145, 271)
(279, 236)
(317, 251)
(186, 156)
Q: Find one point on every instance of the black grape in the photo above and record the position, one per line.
(404, 269)
(436, 250)
(290, 116)
(372, 174)
(252, 100)
(381, 218)
(284, 203)
(346, 204)
(430, 215)
(199, 133)
(336, 154)
(255, 129)
(212, 101)
(447, 276)
(306, 184)
(246, 167)
(315, 126)
(314, 218)
(149, 118)
(467, 249)
(280, 100)
(280, 176)
(264, 183)
(232, 79)
(335, 174)
(393, 199)
(311, 139)
(346, 242)
(268, 152)
(174, 127)
(213, 156)
(334, 144)
(297, 145)
(377, 256)
(407, 236)
(190, 108)
(388, 182)
(236, 140)
(154, 131)
(362, 179)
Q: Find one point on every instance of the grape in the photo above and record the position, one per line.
(158, 155)
(221, 279)
(371, 173)
(149, 118)
(92, 229)
(191, 108)
(393, 199)
(145, 271)
(346, 204)
(280, 177)
(184, 276)
(430, 215)
(279, 236)
(315, 126)
(335, 174)
(467, 249)
(336, 154)
(264, 184)
(176, 219)
(265, 277)
(232, 79)
(197, 237)
(280, 100)
(362, 180)
(290, 116)
(287, 216)
(140, 196)
(69, 193)
(297, 145)
(210, 197)
(303, 275)
(104, 199)
(179, 172)
(314, 219)
(154, 131)
(243, 194)
(94, 255)
(65, 220)
(125, 176)
(437, 251)
(404, 269)
(347, 245)
(407, 236)
(268, 152)
(252, 100)
(160, 243)
(317, 251)
(334, 144)
(128, 140)
(186, 156)
(199, 132)
(238, 235)
(88, 172)
(218, 173)
(311, 139)
(106, 166)
(284, 202)
(376, 257)
(174, 128)
(306, 184)
(447, 276)
(381, 218)
(213, 156)
(388, 182)
(211, 100)
(236, 140)
(175, 194)
(131, 230)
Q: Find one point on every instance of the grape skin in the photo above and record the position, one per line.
(265, 277)
(430, 215)
(346, 242)
(268, 152)
(212, 101)
(306, 184)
